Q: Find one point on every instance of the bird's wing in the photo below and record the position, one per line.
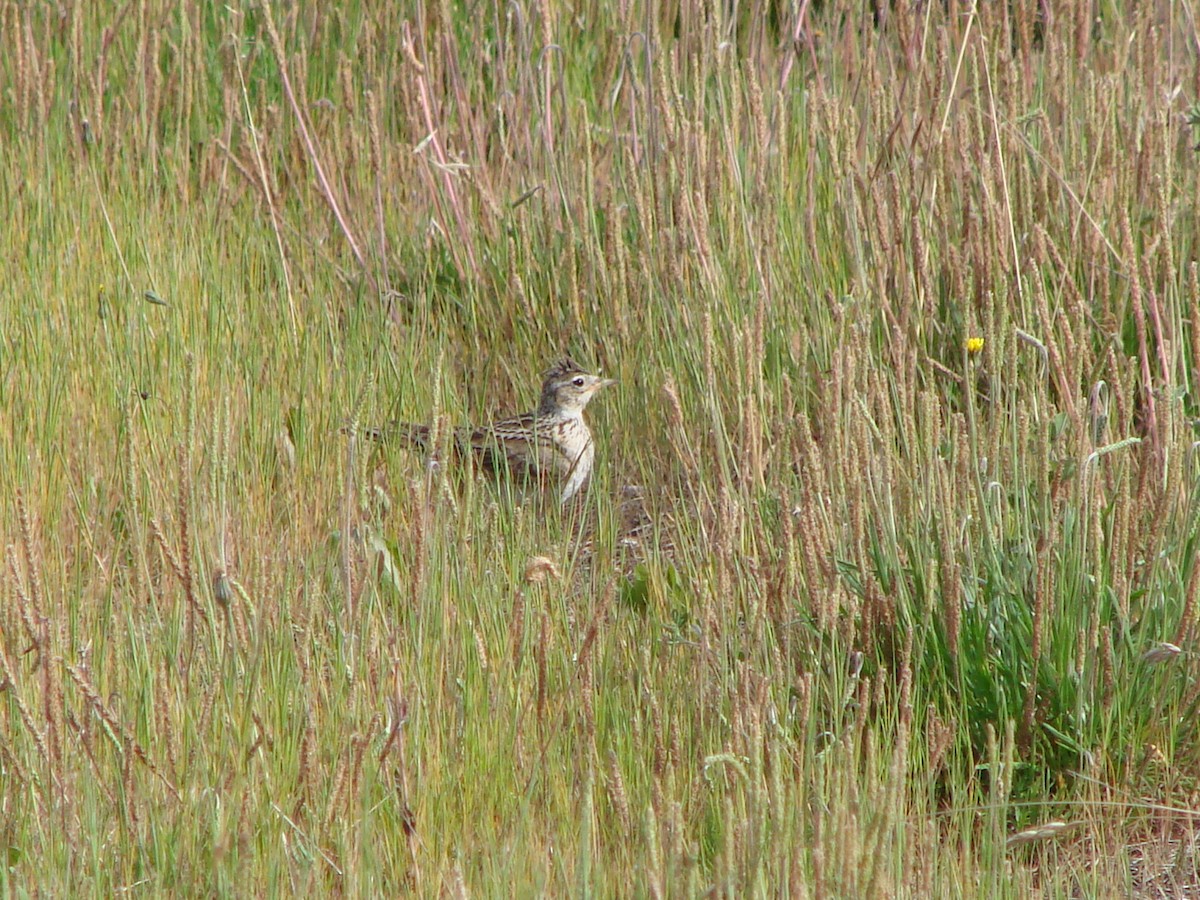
(513, 445)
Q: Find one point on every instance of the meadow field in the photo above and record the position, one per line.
(886, 583)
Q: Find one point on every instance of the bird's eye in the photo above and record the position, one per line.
(578, 382)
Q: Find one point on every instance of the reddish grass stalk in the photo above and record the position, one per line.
(309, 145)
(443, 162)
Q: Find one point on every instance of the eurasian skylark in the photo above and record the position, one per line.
(551, 443)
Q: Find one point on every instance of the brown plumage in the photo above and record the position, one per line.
(551, 443)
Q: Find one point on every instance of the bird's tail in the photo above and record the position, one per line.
(406, 434)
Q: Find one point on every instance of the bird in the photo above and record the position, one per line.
(552, 443)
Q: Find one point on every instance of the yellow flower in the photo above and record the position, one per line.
(974, 345)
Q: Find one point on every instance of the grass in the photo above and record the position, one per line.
(903, 311)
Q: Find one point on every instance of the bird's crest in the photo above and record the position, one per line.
(565, 366)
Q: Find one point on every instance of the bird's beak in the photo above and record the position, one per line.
(605, 382)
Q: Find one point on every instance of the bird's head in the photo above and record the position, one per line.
(566, 388)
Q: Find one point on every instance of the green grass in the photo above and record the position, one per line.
(902, 601)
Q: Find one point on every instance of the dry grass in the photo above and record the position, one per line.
(903, 312)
